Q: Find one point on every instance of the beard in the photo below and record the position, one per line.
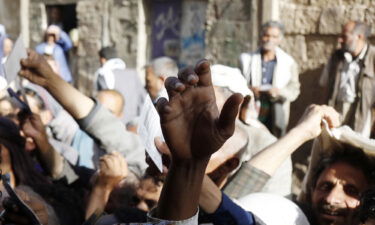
(269, 46)
(328, 214)
(349, 47)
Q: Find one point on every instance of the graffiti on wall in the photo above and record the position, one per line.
(166, 28)
(192, 32)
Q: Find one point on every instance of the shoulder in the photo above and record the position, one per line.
(281, 54)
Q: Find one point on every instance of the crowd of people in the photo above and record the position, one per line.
(226, 150)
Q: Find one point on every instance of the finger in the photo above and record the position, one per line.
(331, 116)
(228, 115)
(202, 69)
(25, 73)
(188, 76)
(174, 86)
(161, 146)
(162, 106)
(31, 60)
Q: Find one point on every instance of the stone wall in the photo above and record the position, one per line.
(9, 17)
(312, 28)
(100, 23)
(229, 30)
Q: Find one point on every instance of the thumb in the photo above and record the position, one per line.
(228, 115)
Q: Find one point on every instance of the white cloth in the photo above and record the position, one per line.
(253, 70)
(349, 76)
(225, 76)
(273, 209)
(107, 71)
(232, 78)
(190, 221)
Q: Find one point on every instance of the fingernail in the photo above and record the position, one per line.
(191, 78)
(177, 85)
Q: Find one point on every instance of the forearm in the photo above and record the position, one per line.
(98, 200)
(77, 104)
(180, 195)
(50, 159)
(210, 196)
(270, 159)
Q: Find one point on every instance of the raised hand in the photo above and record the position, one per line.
(112, 170)
(33, 127)
(312, 118)
(36, 69)
(191, 123)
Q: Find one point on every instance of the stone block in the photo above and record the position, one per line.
(370, 19)
(319, 50)
(356, 12)
(325, 3)
(287, 16)
(331, 20)
(238, 10)
(295, 45)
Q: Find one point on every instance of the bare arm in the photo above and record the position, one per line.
(49, 158)
(37, 70)
(194, 130)
(309, 127)
(112, 170)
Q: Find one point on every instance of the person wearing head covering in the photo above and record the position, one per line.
(57, 42)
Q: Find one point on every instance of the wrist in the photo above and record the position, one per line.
(300, 134)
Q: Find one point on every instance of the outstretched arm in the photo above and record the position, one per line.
(194, 129)
(309, 127)
(37, 70)
(49, 158)
(112, 170)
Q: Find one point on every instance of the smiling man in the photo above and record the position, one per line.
(337, 185)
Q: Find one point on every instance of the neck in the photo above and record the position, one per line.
(268, 55)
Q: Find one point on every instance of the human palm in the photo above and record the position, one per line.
(191, 122)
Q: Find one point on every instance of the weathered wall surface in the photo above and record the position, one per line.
(9, 16)
(312, 28)
(100, 23)
(229, 30)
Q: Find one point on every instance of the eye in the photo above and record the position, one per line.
(351, 190)
(325, 186)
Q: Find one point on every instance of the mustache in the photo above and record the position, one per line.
(332, 210)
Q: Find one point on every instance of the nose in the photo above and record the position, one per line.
(336, 196)
(143, 206)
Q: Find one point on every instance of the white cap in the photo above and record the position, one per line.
(273, 209)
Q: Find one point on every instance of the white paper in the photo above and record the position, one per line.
(265, 87)
(149, 128)
(12, 65)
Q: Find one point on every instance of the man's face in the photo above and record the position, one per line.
(348, 40)
(271, 38)
(148, 194)
(336, 194)
(153, 83)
